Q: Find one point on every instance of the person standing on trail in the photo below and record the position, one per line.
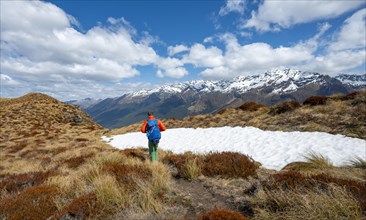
(152, 127)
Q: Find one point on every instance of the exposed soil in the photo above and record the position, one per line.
(199, 198)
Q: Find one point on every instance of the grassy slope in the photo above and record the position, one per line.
(52, 165)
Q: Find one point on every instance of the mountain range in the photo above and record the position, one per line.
(207, 96)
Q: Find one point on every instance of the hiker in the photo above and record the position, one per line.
(152, 128)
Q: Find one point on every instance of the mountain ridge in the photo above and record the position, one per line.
(208, 96)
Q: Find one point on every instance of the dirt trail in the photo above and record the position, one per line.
(198, 198)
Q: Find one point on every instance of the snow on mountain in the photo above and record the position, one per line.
(273, 149)
(282, 81)
(353, 80)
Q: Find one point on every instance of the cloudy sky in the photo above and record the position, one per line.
(78, 49)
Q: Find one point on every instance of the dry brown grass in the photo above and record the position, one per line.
(334, 203)
(52, 162)
(45, 147)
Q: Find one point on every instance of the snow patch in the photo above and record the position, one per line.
(273, 149)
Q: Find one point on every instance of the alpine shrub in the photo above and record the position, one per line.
(188, 165)
(33, 203)
(283, 107)
(316, 100)
(75, 162)
(221, 214)
(18, 147)
(250, 106)
(80, 208)
(350, 96)
(228, 164)
(125, 174)
(16, 182)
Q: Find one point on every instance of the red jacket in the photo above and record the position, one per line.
(160, 125)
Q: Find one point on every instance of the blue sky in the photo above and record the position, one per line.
(79, 49)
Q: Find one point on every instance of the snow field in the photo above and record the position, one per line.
(273, 149)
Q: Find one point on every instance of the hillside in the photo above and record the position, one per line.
(204, 96)
(36, 127)
(339, 114)
(55, 166)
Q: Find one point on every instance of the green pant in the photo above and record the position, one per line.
(153, 151)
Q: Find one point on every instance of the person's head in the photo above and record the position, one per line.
(150, 113)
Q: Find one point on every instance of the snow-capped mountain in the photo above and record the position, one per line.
(282, 81)
(352, 80)
(206, 96)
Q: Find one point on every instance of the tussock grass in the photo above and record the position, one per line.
(116, 185)
(192, 169)
(145, 198)
(335, 203)
(319, 161)
(358, 162)
(161, 177)
(70, 186)
(109, 157)
(90, 179)
(109, 194)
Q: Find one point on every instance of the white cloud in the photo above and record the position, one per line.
(352, 34)
(68, 89)
(172, 50)
(337, 62)
(169, 63)
(216, 73)
(320, 53)
(232, 6)
(41, 48)
(200, 56)
(276, 15)
(346, 50)
(176, 72)
(256, 58)
(53, 46)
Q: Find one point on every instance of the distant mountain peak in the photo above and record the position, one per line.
(284, 80)
(352, 79)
